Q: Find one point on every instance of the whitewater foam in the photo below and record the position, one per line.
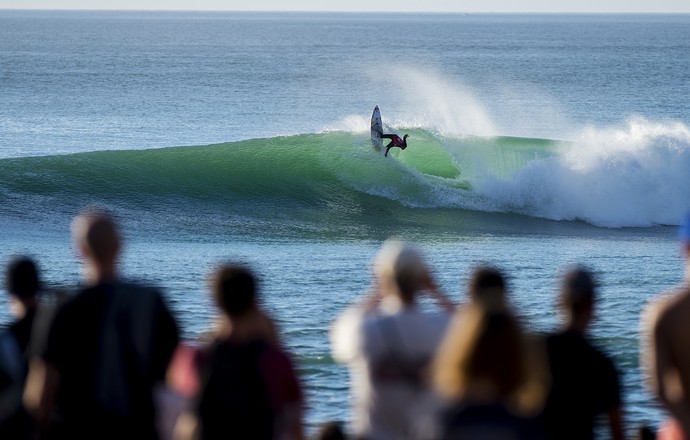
(614, 177)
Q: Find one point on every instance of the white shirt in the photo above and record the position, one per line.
(381, 348)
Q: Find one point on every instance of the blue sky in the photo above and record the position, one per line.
(654, 6)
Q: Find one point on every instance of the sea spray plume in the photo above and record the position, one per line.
(451, 106)
(423, 99)
(431, 100)
(613, 177)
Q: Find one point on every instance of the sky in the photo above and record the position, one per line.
(512, 6)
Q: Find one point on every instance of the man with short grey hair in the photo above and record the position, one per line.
(107, 349)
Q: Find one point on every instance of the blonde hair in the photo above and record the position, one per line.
(402, 265)
(486, 354)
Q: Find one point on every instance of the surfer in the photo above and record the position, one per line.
(396, 141)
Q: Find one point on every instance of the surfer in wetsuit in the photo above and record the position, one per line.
(396, 141)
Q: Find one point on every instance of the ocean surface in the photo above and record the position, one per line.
(536, 142)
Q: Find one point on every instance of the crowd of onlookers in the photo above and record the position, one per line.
(107, 362)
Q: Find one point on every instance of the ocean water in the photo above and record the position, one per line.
(536, 142)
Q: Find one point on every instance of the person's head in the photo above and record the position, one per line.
(22, 283)
(578, 291)
(488, 287)
(401, 270)
(482, 356)
(21, 278)
(96, 236)
(234, 289)
(97, 239)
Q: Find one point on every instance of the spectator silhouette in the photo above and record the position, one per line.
(22, 284)
(585, 383)
(245, 386)
(388, 343)
(489, 372)
(665, 353)
(108, 348)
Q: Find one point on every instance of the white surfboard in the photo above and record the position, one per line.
(376, 129)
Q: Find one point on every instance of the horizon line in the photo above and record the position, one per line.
(570, 12)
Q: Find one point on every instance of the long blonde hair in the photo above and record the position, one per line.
(486, 356)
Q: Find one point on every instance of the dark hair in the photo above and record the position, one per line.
(487, 286)
(483, 344)
(498, 352)
(332, 430)
(234, 289)
(21, 278)
(578, 288)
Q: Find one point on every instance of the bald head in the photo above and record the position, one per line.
(96, 236)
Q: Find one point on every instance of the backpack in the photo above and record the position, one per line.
(234, 400)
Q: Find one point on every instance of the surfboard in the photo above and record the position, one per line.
(376, 129)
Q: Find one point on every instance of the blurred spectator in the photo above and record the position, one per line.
(388, 343)
(242, 383)
(482, 370)
(22, 284)
(585, 382)
(108, 348)
(665, 352)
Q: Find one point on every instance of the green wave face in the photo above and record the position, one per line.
(322, 182)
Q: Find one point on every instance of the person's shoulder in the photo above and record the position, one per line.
(353, 317)
(275, 355)
(666, 308)
(564, 347)
(76, 301)
(677, 305)
(601, 357)
(137, 288)
(409, 322)
(437, 321)
(558, 341)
